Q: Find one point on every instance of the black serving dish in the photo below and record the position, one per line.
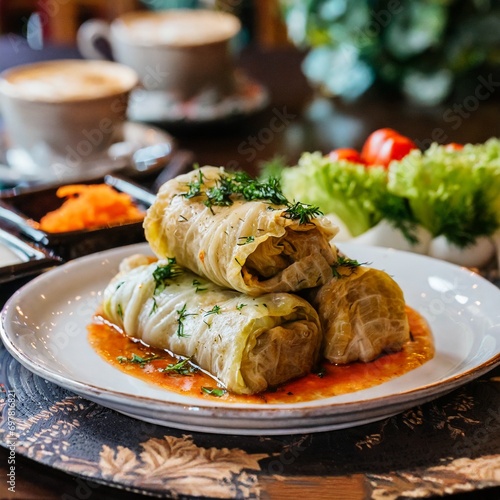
(20, 210)
(29, 258)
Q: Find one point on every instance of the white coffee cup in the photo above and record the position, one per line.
(65, 112)
(182, 52)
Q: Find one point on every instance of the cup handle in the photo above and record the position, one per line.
(88, 36)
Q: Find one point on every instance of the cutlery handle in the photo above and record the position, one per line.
(134, 190)
(180, 163)
(22, 224)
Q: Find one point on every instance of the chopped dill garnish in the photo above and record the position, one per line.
(199, 286)
(252, 189)
(240, 306)
(211, 391)
(345, 263)
(155, 306)
(215, 310)
(246, 240)
(220, 194)
(182, 367)
(162, 273)
(228, 186)
(195, 187)
(136, 359)
(303, 212)
(183, 314)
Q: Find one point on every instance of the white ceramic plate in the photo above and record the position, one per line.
(43, 325)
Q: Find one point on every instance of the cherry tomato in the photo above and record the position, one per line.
(453, 146)
(394, 148)
(385, 145)
(347, 154)
(374, 142)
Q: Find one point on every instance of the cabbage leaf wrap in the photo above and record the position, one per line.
(247, 343)
(255, 247)
(363, 314)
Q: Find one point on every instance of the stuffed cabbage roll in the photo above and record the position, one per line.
(240, 233)
(247, 343)
(362, 312)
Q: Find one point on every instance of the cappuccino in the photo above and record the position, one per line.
(179, 52)
(177, 27)
(52, 109)
(67, 80)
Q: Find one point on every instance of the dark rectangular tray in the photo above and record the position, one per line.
(32, 259)
(18, 210)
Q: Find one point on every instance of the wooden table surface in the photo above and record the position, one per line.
(296, 120)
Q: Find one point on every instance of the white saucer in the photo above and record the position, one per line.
(144, 149)
(207, 107)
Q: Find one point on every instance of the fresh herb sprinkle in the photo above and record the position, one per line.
(136, 359)
(246, 240)
(215, 310)
(200, 287)
(345, 263)
(183, 314)
(241, 184)
(303, 212)
(166, 272)
(183, 367)
(211, 391)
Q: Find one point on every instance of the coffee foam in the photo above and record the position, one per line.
(67, 80)
(177, 27)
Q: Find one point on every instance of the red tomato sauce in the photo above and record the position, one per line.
(331, 380)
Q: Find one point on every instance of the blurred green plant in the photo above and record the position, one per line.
(419, 47)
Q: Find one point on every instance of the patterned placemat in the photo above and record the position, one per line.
(449, 445)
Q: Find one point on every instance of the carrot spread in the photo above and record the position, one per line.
(89, 206)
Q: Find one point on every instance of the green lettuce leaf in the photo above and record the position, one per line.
(356, 194)
(452, 193)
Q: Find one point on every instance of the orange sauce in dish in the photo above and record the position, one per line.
(331, 380)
